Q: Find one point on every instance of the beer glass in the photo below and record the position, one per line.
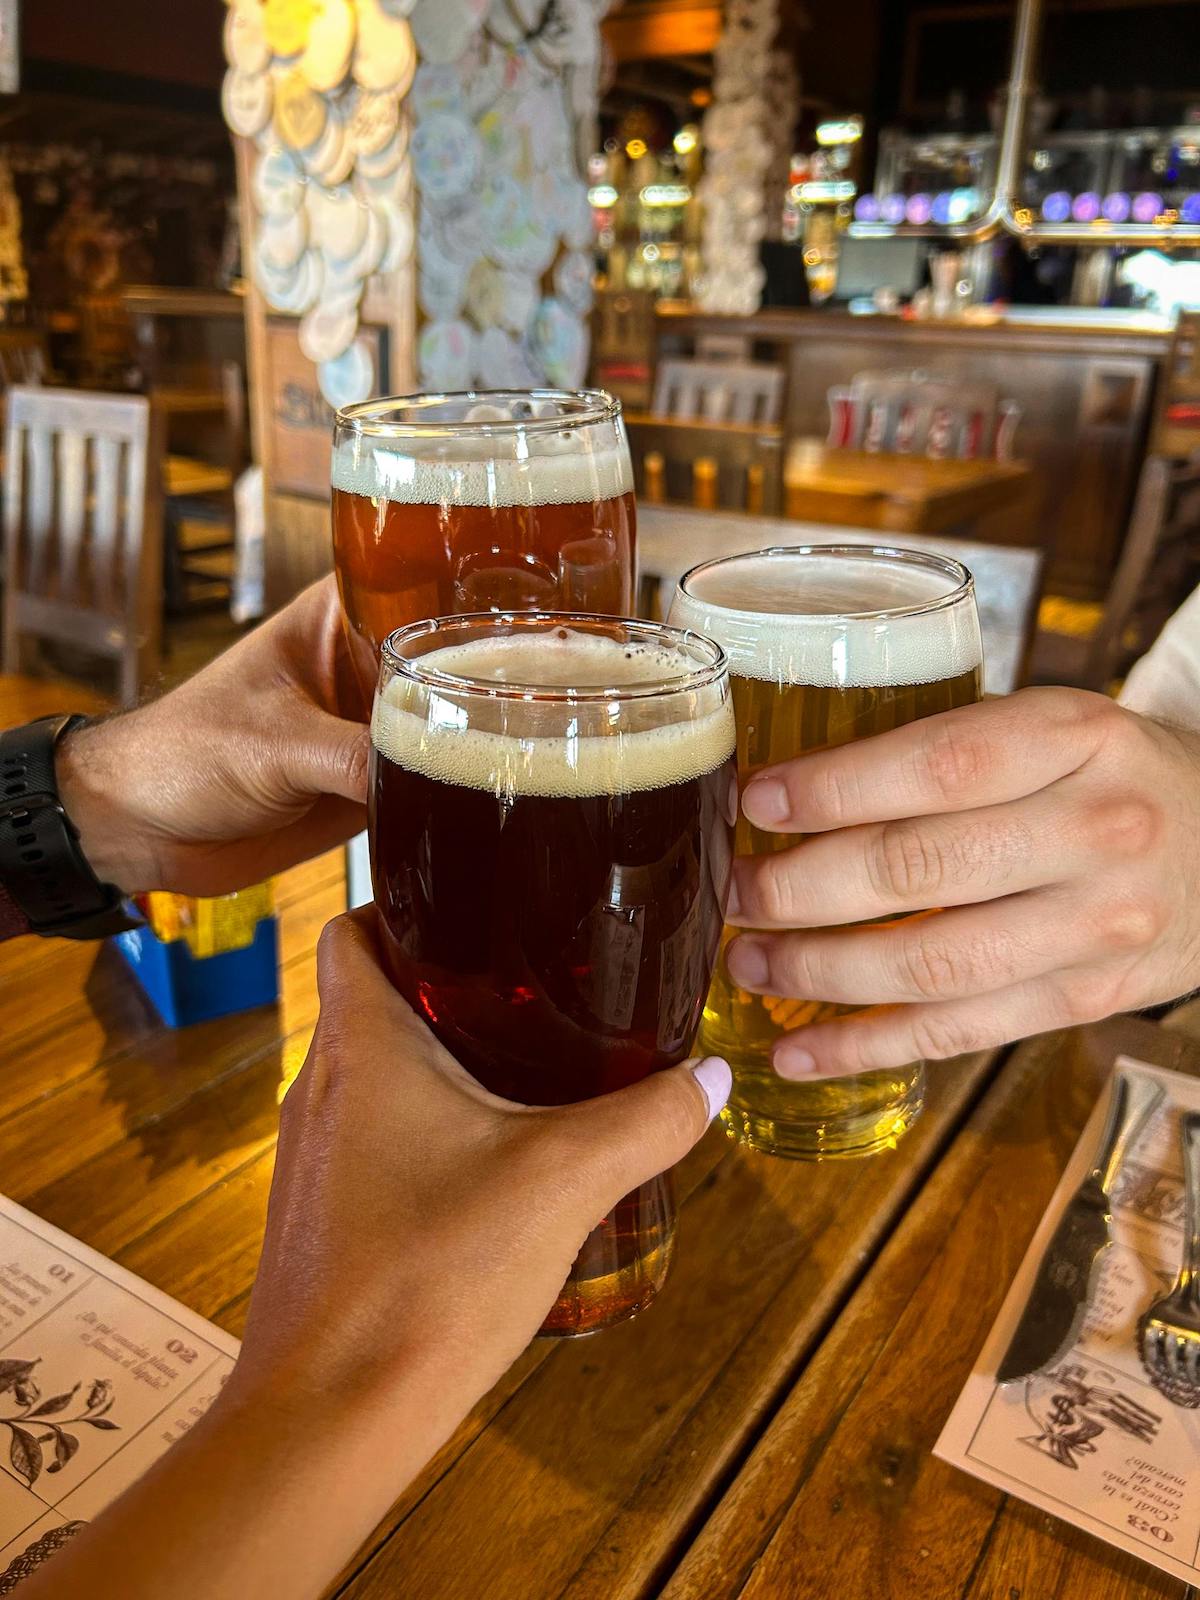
(500, 500)
(550, 818)
(826, 643)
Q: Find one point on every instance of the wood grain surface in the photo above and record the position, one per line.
(764, 1431)
(842, 1496)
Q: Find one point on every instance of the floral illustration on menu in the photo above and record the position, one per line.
(41, 1437)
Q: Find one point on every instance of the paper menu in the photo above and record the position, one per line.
(1092, 1441)
(99, 1374)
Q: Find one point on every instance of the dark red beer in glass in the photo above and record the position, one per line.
(550, 846)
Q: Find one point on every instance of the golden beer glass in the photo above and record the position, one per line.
(826, 643)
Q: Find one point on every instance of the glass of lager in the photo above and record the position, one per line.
(500, 500)
(551, 812)
(826, 643)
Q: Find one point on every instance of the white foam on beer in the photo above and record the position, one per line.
(437, 734)
(790, 619)
(552, 471)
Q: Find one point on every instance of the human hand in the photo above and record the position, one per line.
(253, 764)
(1062, 830)
(419, 1230)
(417, 1218)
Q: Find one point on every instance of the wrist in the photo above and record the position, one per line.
(95, 783)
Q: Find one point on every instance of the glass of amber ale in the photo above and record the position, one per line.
(502, 500)
(551, 832)
(826, 643)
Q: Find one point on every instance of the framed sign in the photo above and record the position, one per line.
(299, 417)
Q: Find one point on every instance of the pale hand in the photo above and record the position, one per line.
(257, 762)
(1060, 834)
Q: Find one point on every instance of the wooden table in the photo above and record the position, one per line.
(23, 699)
(763, 1432)
(1008, 579)
(902, 494)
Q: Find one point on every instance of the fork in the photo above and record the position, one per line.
(1169, 1332)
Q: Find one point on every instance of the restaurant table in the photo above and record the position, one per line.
(23, 699)
(1008, 578)
(897, 493)
(762, 1432)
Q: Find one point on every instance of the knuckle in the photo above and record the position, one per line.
(1088, 996)
(955, 760)
(1128, 827)
(939, 1034)
(772, 890)
(358, 762)
(832, 790)
(1132, 924)
(932, 968)
(907, 861)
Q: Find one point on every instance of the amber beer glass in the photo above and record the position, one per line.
(551, 810)
(500, 500)
(825, 644)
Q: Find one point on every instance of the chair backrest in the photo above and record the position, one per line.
(1158, 569)
(718, 391)
(82, 524)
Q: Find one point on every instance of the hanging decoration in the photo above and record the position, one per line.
(505, 233)
(738, 151)
(318, 86)
(503, 97)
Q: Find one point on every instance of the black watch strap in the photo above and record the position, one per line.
(43, 871)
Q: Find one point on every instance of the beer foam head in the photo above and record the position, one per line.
(832, 621)
(464, 459)
(562, 749)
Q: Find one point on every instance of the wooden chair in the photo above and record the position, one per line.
(199, 493)
(718, 391)
(1176, 428)
(83, 529)
(623, 344)
(728, 466)
(1159, 566)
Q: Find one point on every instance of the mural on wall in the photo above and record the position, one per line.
(495, 93)
(739, 144)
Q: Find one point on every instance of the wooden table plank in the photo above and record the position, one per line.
(613, 1445)
(843, 1481)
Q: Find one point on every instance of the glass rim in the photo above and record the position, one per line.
(930, 560)
(409, 667)
(371, 417)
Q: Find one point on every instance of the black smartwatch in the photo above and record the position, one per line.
(46, 884)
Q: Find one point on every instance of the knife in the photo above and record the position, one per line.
(1054, 1312)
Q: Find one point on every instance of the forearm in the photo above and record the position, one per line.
(259, 1499)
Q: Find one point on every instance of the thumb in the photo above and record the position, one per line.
(630, 1136)
(328, 755)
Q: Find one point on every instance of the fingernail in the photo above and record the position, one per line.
(715, 1080)
(792, 1061)
(765, 801)
(747, 963)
